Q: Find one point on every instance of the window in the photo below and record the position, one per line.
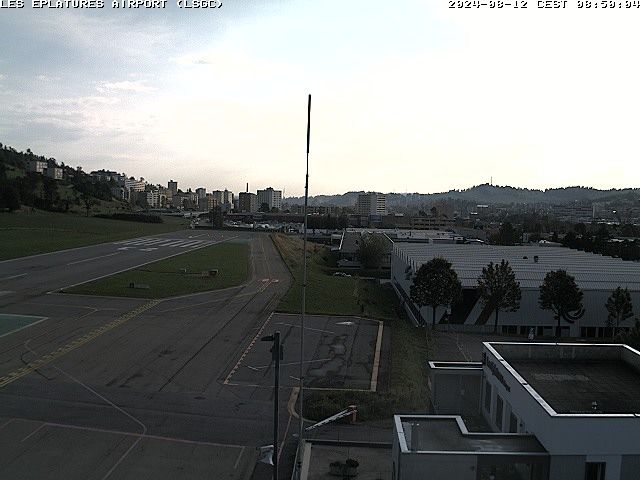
(487, 396)
(513, 423)
(499, 408)
(594, 471)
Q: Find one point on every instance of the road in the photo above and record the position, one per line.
(130, 388)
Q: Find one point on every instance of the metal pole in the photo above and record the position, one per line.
(304, 283)
(277, 353)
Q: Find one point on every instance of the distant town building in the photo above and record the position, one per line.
(156, 198)
(54, 172)
(201, 192)
(573, 212)
(37, 166)
(269, 197)
(108, 176)
(247, 202)
(135, 185)
(207, 203)
(172, 187)
(371, 203)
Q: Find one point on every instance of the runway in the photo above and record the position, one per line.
(128, 388)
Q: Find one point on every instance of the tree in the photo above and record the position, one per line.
(619, 307)
(499, 289)
(371, 250)
(507, 234)
(88, 201)
(632, 337)
(435, 284)
(560, 294)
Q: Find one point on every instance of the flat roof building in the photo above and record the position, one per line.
(554, 411)
(371, 203)
(596, 275)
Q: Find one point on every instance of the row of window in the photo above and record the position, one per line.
(498, 414)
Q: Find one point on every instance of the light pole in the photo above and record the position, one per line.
(276, 355)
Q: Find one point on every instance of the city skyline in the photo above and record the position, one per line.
(410, 97)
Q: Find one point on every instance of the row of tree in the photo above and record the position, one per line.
(436, 284)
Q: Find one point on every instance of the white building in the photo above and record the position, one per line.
(371, 203)
(135, 185)
(156, 198)
(54, 172)
(596, 275)
(556, 411)
(201, 192)
(37, 166)
(270, 197)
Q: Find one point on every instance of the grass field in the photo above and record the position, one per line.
(407, 382)
(166, 278)
(27, 233)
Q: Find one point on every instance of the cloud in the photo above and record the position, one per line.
(47, 78)
(2, 77)
(125, 86)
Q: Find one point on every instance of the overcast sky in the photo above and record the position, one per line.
(408, 95)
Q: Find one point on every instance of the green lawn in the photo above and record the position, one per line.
(27, 233)
(406, 391)
(166, 278)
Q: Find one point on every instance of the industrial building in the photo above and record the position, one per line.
(596, 275)
(553, 411)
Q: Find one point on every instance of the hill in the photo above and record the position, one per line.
(483, 194)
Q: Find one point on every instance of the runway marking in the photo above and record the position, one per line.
(376, 359)
(306, 328)
(150, 249)
(93, 258)
(11, 420)
(73, 345)
(246, 351)
(235, 465)
(42, 319)
(141, 264)
(287, 364)
(34, 432)
(141, 435)
(13, 276)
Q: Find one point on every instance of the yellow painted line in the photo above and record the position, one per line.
(74, 344)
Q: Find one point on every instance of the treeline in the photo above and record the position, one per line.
(601, 243)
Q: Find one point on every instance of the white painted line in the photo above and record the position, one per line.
(139, 265)
(6, 423)
(150, 249)
(141, 435)
(92, 258)
(290, 363)
(235, 465)
(13, 276)
(376, 359)
(34, 432)
(125, 248)
(306, 328)
(42, 319)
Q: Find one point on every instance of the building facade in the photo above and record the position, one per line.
(371, 203)
(269, 198)
(597, 277)
(247, 202)
(555, 411)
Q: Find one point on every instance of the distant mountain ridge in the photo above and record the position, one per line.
(484, 194)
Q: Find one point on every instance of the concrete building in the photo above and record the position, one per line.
(135, 185)
(156, 198)
(596, 275)
(172, 187)
(108, 176)
(54, 172)
(201, 192)
(269, 197)
(207, 203)
(36, 166)
(555, 411)
(371, 203)
(247, 202)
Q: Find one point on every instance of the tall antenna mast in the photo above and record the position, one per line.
(304, 284)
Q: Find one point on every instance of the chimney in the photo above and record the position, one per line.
(247, 187)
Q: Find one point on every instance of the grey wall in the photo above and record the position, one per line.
(630, 467)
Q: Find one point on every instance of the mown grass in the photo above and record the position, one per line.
(166, 278)
(406, 386)
(28, 233)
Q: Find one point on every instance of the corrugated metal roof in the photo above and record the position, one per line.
(591, 271)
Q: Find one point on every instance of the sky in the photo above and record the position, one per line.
(407, 96)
